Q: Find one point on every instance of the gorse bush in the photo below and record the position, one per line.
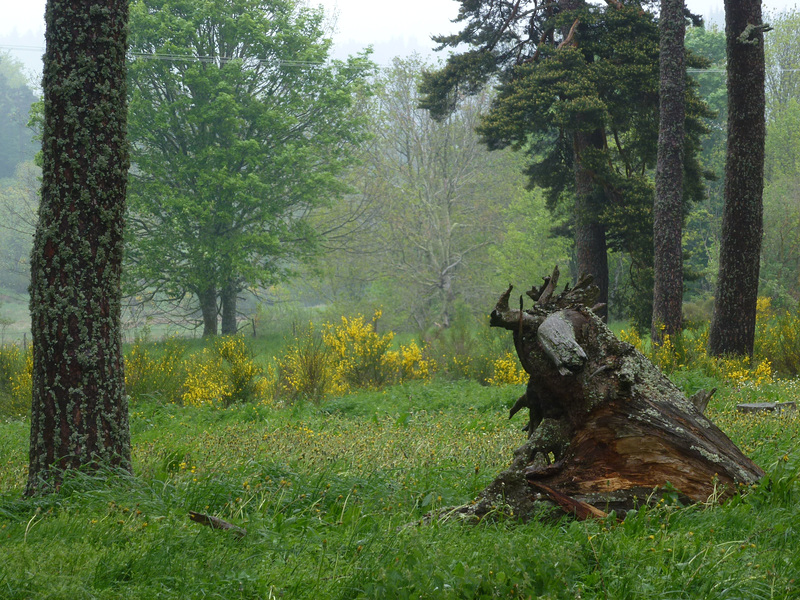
(508, 370)
(155, 370)
(359, 352)
(345, 357)
(778, 338)
(223, 374)
(688, 351)
(305, 369)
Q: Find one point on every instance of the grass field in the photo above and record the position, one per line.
(332, 496)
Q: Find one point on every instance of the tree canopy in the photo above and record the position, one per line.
(240, 126)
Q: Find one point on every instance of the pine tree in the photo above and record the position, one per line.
(79, 413)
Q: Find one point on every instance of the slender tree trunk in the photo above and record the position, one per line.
(229, 296)
(590, 233)
(668, 208)
(733, 323)
(79, 413)
(208, 307)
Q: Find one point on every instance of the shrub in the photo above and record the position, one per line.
(305, 370)
(223, 374)
(778, 338)
(508, 370)
(468, 349)
(359, 353)
(155, 370)
(16, 369)
(410, 362)
(687, 351)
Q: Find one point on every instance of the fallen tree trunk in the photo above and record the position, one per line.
(607, 430)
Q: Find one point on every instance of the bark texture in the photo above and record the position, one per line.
(733, 324)
(208, 308)
(228, 297)
(607, 430)
(79, 415)
(668, 206)
(590, 234)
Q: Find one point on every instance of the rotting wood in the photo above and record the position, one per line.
(619, 431)
(217, 523)
(770, 407)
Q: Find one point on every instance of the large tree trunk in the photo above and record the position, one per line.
(607, 430)
(668, 207)
(79, 413)
(208, 308)
(590, 234)
(228, 297)
(734, 320)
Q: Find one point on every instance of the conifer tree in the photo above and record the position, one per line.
(79, 413)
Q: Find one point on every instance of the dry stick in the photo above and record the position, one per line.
(217, 523)
(581, 510)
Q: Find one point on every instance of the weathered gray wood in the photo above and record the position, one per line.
(759, 407)
(557, 338)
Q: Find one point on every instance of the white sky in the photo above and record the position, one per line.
(393, 28)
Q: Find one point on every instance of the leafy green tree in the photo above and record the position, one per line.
(19, 202)
(702, 228)
(780, 263)
(442, 218)
(782, 60)
(733, 324)
(240, 127)
(16, 99)
(79, 416)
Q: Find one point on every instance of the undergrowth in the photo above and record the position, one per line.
(332, 497)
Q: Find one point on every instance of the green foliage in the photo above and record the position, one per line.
(430, 211)
(305, 368)
(550, 92)
(778, 338)
(468, 349)
(155, 370)
(240, 125)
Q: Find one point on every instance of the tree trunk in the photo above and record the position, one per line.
(733, 324)
(228, 297)
(590, 233)
(79, 412)
(606, 428)
(208, 307)
(668, 208)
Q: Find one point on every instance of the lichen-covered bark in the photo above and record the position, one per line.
(606, 428)
(79, 412)
(733, 324)
(668, 206)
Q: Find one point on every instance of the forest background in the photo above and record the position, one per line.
(325, 489)
(436, 229)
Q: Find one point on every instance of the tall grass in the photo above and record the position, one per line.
(332, 497)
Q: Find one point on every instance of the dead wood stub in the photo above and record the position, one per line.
(617, 429)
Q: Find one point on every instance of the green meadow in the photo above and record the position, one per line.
(333, 483)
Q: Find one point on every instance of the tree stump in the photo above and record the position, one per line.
(606, 430)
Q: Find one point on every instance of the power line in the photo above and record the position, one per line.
(191, 57)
